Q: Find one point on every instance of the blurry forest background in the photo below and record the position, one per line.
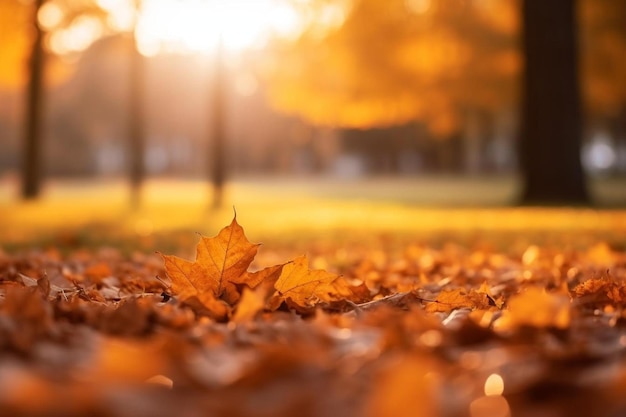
(344, 88)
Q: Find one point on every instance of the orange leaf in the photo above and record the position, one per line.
(448, 300)
(252, 301)
(254, 279)
(220, 262)
(206, 304)
(304, 286)
(537, 308)
(601, 291)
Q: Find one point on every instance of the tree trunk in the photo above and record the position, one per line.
(218, 137)
(136, 123)
(31, 160)
(551, 130)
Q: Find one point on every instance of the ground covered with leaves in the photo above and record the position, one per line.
(361, 330)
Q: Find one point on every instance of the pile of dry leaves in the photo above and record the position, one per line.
(447, 332)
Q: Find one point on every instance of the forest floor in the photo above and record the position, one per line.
(404, 309)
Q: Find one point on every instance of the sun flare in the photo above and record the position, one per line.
(195, 26)
(188, 26)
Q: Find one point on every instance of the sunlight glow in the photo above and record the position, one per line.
(195, 26)
(599, 155)
(121, 14)
(246, 84)
(191, 26)
(49, 15)
(77, 37)
(494, 385)
(493, 404)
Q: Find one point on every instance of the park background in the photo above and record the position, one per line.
(317, 115)
(438, 186)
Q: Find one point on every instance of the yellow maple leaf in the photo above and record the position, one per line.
(304, 286)
(220, 262)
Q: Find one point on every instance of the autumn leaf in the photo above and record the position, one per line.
(252, 301)
(601, 291)
(304, 286)
(448, 300)
(220, 262)
(254, 279)
(207, 304)
(536, 307)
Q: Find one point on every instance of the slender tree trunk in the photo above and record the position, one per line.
(136, 124)
(218, 136)
(551, 130)
(31, 161)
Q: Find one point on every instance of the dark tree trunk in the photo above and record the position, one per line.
(31, 160)
(551, 130)
(136, 123)
(218, 136)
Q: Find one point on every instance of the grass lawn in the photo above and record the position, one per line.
(273, 208)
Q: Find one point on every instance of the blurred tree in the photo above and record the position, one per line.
(447, 63)
(367, 63)
(46, 17)
(551, 126)
(603, 47)
(136, 117)
(603, 43)
(217, 141)
(14, 18)
(31, 159)
(65, 28)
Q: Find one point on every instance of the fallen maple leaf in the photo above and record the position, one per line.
(305, 286)
(254, 279)
(220, 262)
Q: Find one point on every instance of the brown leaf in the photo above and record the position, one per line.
(601, 291)
(448, 300)
(306, 287)
(97, 272)
(26, 319)
(220, 262)
(43, 284)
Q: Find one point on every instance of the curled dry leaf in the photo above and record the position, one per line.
(601, 291)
